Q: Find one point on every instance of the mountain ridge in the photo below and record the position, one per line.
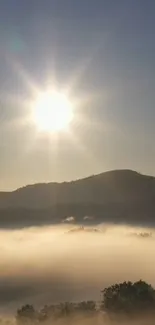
(117, 171)
(115, 196)
(104, 187)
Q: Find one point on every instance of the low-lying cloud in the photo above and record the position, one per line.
(47, 265)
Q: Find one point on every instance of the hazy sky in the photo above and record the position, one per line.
(102, 51)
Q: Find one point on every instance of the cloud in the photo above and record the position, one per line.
(88, 218)
(69, 219)
(42, 265)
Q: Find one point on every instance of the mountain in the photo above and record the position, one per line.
(119, 195)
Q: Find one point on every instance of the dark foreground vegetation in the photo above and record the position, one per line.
(123, 302)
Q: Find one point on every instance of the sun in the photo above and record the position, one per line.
(53, 111)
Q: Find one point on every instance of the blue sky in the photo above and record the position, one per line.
(103, 51)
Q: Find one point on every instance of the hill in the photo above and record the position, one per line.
(120, 195)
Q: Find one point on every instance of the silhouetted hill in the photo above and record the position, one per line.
(120, 195)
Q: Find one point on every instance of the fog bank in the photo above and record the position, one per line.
(51, 264)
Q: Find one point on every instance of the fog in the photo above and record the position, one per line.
(52, 264)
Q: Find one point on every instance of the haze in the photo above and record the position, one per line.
(51, 264)
(102, 53)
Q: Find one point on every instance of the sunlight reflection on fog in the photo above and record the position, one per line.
(50, 264)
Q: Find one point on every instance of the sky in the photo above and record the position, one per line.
(102, 52)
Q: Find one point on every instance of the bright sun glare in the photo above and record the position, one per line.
(53, 111)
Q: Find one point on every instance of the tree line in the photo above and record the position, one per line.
(120, 298)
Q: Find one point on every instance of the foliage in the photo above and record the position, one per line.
(123, 298)
(129, 297)
(26, 314)
(86, 306)
(66, 309)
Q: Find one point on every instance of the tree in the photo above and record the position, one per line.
(66, 308)
(26, 314)
(86, 306)
(129, 297)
